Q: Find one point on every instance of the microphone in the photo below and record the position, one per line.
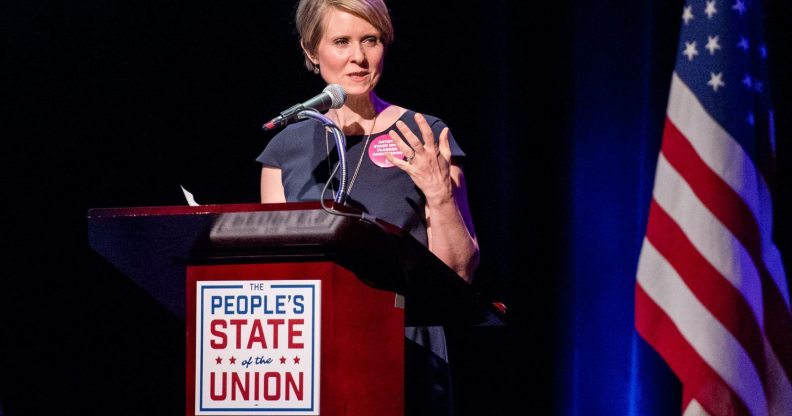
(333, 96)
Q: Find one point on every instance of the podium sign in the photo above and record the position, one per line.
(257, 346)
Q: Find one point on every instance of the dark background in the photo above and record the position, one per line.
(558, 104)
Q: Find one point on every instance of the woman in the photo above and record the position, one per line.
(418, 185)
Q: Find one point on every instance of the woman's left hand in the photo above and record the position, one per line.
(427, 163)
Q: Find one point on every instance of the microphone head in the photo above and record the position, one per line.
(337, 95)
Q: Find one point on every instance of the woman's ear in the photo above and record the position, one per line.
(308, 54)
(311, 62)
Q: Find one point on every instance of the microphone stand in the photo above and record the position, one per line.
(340, 142)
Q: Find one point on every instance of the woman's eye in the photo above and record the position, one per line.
(371, 41)
(341, 42)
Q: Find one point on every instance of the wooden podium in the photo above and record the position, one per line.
(289, 309)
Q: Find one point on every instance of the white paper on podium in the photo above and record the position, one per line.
(189, 197)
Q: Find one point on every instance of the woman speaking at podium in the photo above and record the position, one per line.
(404, 166)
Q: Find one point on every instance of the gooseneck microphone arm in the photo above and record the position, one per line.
(333, 96)
(340, 143)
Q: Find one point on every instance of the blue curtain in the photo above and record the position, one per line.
(624, 58)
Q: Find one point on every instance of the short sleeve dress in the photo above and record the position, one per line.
(305, 153)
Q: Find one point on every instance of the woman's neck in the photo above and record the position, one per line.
(359, 113)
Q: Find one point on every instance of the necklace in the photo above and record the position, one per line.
(362, 153)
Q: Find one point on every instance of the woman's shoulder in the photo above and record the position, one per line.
(437, 125)
(408, 116)
(391, 114)
(395, 113)
(295, 134)
(300, 129)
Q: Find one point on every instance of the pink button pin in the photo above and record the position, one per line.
(379, 147)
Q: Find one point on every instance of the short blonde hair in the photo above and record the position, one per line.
(310, 15)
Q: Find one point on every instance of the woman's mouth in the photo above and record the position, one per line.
(357, 75)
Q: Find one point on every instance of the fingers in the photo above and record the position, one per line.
(426, 132)
(400, 163)
(403, 147)
(413, 140)
(412, 145)
(409, 136)
(445, 146)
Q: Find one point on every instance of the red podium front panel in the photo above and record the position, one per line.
(305, 338)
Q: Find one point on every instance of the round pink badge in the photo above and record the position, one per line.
(380, 146)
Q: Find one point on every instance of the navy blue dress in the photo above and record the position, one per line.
(306, 154)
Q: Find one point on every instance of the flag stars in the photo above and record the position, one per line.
(716, 81)
(750, 119)
(739, 6)
(763, 51)
(758, 86)
(687, 14)
(710, 10)
(712, 44)
(743, 43)
(747, 81)
(690, 50)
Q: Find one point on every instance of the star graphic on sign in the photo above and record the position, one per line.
(232, 360)
(715, 81)
(296, 360)
(712, 44)
(739, 5)
(283, 360)
(219, 360)
(690, 50)
(743, 43)
(687, 15)
(710, 10)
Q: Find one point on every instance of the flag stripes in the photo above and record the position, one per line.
(731, 209)
(711, 293)
(723, 300)
(661, 331)
(722, 154)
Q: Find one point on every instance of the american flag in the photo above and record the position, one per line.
(711, 294)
